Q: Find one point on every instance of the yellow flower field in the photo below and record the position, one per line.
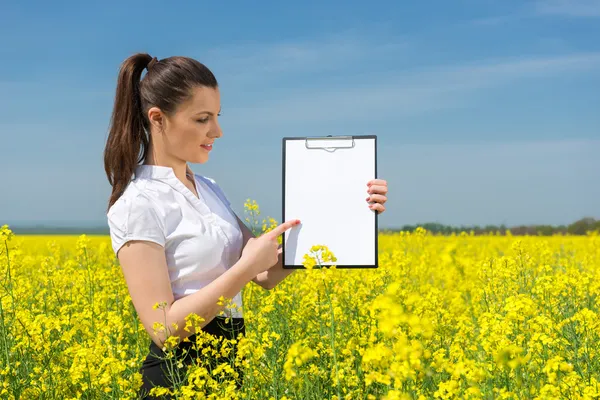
(469, 317)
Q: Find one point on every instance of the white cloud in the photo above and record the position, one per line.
(408, 92)
(569, 8)
(498, 20)
(256, 61)
(544, 8)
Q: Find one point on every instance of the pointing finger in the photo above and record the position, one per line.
(279, 230)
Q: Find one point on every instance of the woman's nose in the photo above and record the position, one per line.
(216, 131)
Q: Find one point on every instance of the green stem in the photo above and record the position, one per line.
(332, 320)
(13, 303)
(91, 287)
(171, 359)
(4, 335)
(10, 283)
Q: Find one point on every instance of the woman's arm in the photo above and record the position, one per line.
(271, 277)
(145, 270)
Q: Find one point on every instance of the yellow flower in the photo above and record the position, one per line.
(5, 233)
(298, 354)
(457, 316)
(160, 305)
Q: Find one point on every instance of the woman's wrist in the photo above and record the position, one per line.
(245, 268)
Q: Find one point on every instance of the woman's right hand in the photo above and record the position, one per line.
(262, 252)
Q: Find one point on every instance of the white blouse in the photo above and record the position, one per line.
(201, 236)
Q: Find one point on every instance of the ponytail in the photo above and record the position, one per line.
(168, 83)
(127, 142)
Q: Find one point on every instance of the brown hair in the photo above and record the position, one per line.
(168, 83)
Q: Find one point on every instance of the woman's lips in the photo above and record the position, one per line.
(207, 147)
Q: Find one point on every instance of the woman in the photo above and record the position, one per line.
(176, 237)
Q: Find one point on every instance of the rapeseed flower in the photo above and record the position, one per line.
(459, 316)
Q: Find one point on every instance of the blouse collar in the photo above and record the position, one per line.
(158, 172)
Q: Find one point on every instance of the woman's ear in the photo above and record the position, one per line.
(156, 118)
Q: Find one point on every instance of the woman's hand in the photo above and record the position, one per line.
(263, 252)
(377, 189)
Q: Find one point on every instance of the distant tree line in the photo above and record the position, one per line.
(57, 230)
(580, 227)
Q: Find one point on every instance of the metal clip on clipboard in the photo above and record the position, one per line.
(340, 142)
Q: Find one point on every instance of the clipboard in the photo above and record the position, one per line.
(325, 187)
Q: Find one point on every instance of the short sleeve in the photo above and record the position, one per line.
(134, 219)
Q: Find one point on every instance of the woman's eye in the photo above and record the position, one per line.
(205, 119)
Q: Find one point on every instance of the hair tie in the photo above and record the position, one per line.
(151, 63)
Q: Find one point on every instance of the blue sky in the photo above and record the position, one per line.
(487, 111)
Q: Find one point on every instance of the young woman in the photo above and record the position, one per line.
(177, 239)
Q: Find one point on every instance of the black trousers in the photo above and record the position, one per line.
(155, 371)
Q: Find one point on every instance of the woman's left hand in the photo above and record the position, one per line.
(377, 189)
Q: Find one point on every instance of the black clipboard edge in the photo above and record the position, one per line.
(354, 137)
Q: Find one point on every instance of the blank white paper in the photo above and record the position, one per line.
(327, 192)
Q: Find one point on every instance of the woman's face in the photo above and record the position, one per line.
(188, 134)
